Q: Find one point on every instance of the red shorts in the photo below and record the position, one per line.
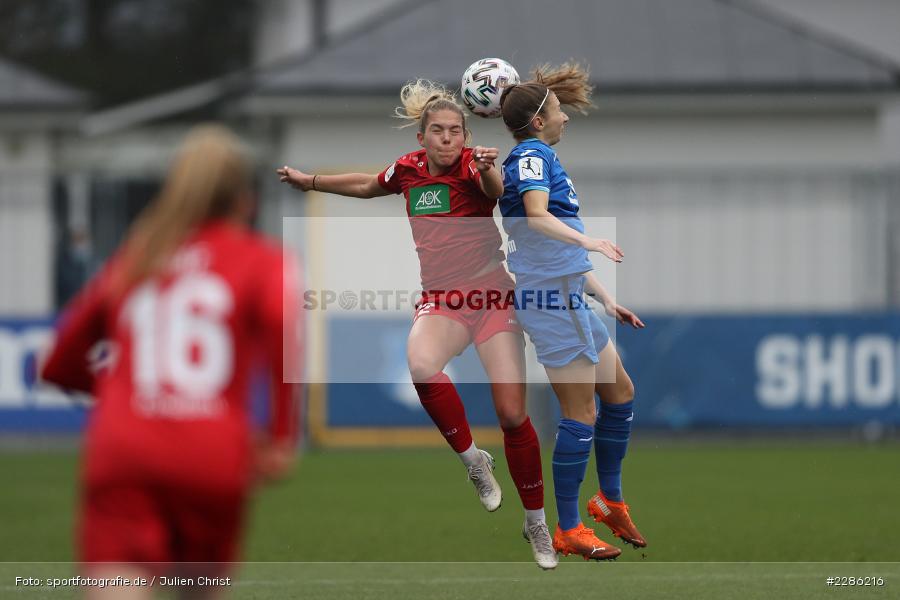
(132, 523)
(484, 306)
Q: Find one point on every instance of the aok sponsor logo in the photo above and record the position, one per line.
(429, 200)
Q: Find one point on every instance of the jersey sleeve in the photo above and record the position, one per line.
(80, 327)
(471, 171)
(281, 321)
(530, 171)
(389, 179)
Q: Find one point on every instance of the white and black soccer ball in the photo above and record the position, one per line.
(483, 83)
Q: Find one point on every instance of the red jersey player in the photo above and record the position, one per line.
(451, 191)
(189, 302)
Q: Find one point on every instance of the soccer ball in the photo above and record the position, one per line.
(483, 83)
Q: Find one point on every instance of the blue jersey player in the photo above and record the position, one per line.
(548, 253)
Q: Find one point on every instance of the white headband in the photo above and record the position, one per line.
(547, 95)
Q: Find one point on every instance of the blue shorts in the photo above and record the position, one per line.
(559, 321)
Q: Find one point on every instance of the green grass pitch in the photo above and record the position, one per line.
(742, 520)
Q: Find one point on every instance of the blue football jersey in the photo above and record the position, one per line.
(533, 165)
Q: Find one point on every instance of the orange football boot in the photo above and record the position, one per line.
(615, 516)
(581, 540)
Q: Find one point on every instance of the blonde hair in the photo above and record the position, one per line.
(422, 97)
(521, 103)
(205, 182)
(569, 81)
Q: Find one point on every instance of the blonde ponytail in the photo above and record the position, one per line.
(422, 97)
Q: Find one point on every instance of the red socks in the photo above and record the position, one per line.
(443, 404)
(523, 454)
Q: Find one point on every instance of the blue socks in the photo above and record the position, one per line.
(573, 449)
(570, 458)
(611, 432)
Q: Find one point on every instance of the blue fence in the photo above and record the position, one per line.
(689, 371)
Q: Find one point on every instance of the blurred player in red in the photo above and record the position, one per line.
(191, 303)
(451, 191)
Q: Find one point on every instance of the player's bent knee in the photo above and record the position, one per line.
(622, 392)
(511, 419)
(423, 368)
(586, 414)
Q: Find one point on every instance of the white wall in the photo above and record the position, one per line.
(281, 29)
(26, 226)
(768, 240)
(760, 210)
(283, 26)
(748, 211)
(627, 140)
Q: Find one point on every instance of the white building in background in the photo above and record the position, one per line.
(750, 159)
(35, 113)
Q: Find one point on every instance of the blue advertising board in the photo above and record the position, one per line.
(689, 371)
(790, 370)
(26, 406)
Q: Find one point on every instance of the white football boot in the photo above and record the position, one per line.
(538, 535)
(487, 488)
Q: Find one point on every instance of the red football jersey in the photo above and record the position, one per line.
(173, 405)
(451, 251)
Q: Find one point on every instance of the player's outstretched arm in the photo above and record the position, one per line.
(540, 219)
(355, 185)
(491, 181)
(594, 288)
